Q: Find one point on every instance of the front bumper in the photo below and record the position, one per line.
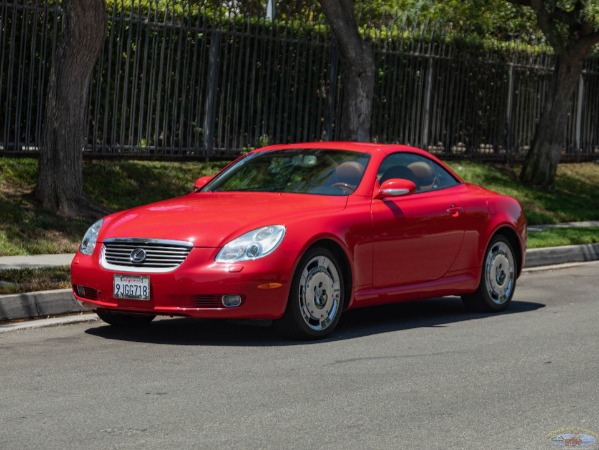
(195, 288)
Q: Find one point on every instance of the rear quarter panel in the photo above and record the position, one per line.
(487, 214)
(507, 213)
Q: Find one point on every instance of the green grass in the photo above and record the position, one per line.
(25, 229)
(123, 184)
(575, 197)
(14, 281)
(554, 237)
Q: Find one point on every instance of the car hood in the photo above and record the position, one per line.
(211, 219)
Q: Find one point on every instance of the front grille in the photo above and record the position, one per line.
(158, 255)
(207, 301)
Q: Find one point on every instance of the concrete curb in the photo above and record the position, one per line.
(48, 303)
(38, 304)
(559, 255)
(51, 322)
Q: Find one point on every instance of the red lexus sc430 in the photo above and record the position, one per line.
(300, 233)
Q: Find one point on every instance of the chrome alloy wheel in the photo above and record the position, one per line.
(319, 293)
(500, 272)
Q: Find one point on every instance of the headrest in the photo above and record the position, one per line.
(424, 172)
(398, 172)
(349, 172)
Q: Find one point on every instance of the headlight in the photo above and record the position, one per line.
(88, 244)
(252, 245)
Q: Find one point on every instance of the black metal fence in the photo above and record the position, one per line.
(191, 79)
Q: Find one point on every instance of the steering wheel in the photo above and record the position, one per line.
(344, 187)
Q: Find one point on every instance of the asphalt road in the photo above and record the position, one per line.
(420, 375)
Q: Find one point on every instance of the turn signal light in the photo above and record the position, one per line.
(270, 286)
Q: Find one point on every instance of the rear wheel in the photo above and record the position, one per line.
(498, 279)
(121, 319)
(316, 297)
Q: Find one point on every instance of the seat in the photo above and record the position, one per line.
(425, 175)
(398, 172)
(348, 175)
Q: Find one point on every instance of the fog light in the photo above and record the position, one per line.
(231, 301)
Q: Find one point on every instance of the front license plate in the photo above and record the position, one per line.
(133, 287)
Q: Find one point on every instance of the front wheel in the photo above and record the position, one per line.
(121, 319)
(316, 298)
(498, 279)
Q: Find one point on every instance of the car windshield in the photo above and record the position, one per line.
(305, 171)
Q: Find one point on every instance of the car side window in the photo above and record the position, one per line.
(426, 174)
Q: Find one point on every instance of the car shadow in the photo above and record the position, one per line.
(431, 313)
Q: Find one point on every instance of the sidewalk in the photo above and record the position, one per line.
(588, 223)
(47, 303)
(34, 261)
(564, 254)
(32, 305)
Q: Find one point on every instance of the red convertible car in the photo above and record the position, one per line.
(300, 233)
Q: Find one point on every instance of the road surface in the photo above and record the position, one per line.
(419, 375)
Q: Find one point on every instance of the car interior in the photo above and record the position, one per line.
(421, 173)
(348, 175)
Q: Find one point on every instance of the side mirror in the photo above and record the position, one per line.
(200, 183)
(395, 187)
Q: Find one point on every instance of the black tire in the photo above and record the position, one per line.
(122, 319)
(498, 278)
(316, 298)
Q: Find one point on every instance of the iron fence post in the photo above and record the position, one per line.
(508, 115)
(332, 93)
(428, 95)
(579, 104)
(211, 90)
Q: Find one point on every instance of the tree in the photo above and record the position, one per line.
(60, 174)
(571, 28)
(358, 70)
(356, 55)
(495, 19)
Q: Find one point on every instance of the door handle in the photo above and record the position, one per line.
(455, 211)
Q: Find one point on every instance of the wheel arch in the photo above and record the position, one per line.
(512, 236)
(343, 260)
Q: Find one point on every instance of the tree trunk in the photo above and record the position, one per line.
(60, 173)
(358, 71)
(540, 165)
(572, 35)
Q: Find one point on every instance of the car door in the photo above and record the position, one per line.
(417, 237)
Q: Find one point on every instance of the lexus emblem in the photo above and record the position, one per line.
(138, 256)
